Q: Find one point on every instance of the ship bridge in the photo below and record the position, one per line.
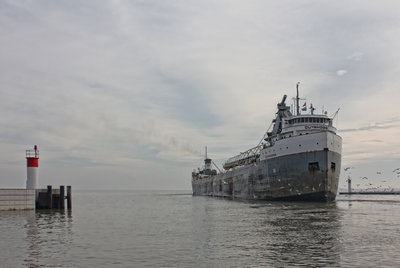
(319, 119)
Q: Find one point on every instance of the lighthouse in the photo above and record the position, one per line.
(349, 184)
(32, 164)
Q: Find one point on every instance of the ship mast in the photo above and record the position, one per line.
(297, 99)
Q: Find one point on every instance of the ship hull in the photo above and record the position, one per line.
(306, 176)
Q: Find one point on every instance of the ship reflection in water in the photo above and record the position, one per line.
(300, 233)
(273, 235)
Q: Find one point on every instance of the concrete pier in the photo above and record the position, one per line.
(17, 199)
(30, 199)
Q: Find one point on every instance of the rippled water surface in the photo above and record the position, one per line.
(174, 229)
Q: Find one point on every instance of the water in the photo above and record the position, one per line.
(174, 229)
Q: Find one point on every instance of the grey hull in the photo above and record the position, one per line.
(311, 176)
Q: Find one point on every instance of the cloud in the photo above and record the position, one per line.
(356, 56)
(341, 72)
(386, 124)
(149, 83)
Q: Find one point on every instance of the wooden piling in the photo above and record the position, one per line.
(62, 197)
(69, 197)
(54, 198)
(50, 196)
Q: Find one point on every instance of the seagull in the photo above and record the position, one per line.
(378, 172)
(396, 169)
(345, 169)
(364, 178)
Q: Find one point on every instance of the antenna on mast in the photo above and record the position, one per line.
(206, 152)
(297, 99)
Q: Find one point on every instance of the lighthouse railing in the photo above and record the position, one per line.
(32, 153)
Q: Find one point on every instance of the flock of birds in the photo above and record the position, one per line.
(395, 172)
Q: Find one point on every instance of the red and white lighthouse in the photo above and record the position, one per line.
(32, 164)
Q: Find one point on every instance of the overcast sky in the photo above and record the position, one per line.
(126, 94)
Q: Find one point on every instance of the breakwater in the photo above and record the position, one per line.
(30, 199)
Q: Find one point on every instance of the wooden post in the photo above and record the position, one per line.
(69, 198)
(62, 197)
(50, 197)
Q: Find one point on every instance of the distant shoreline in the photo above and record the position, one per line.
(371, 193)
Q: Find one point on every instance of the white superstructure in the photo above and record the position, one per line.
(303, 133)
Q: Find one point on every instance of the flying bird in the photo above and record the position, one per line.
(364, 178)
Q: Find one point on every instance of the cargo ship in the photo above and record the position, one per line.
(298, 160)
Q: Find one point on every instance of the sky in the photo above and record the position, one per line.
(127, 94)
